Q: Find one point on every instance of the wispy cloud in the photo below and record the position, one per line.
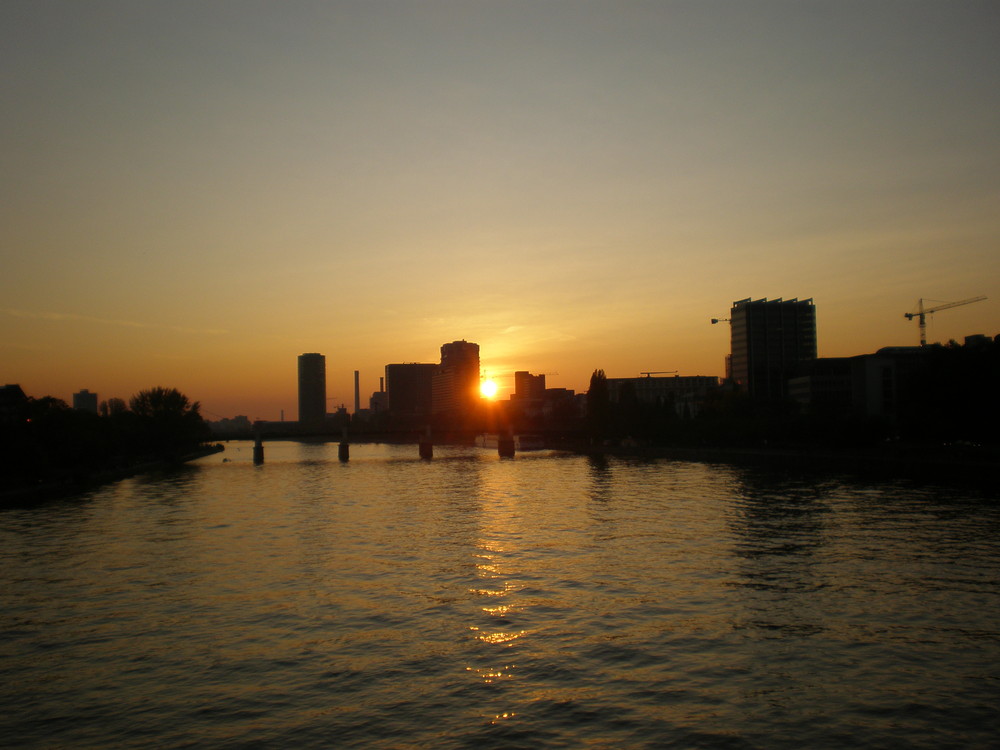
(75, 317)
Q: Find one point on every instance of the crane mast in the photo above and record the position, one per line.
(922, 313)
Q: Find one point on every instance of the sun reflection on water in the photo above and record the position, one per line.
(498, 584)
(498, 637)
(501, 610)
(492, 674)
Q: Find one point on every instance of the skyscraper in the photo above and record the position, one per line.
(312, 388)
(455, 386)
(769, 340)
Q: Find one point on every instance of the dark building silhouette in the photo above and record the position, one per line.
(683, 393)
(455, 385)
(883, 384)
(312, 388)
(237, 427)
(85, 401)
(378, 403)
(770, 340)
(408, 389)
(528, 387)
(925, 393)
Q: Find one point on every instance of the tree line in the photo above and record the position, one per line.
(44, 440)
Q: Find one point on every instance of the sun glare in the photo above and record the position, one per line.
(488, 389)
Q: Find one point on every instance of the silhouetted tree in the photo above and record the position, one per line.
(44, 441)
(598, 405)
(112, 406)
(168, 424)
(52, 442)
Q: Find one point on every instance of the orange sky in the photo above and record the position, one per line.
(195, 193)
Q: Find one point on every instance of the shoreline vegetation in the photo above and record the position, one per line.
(48, 449)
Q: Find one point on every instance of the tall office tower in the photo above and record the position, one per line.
(455, 386)
(85, 400)
(408, 388)
(312, 388)
(529, 387)
(770, 339)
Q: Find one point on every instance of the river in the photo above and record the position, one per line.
(552, 600)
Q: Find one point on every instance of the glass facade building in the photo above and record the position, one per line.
(770, 339)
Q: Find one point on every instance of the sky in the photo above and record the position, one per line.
(194, 193)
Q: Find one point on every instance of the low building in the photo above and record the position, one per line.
(684, 392)
(882, 385)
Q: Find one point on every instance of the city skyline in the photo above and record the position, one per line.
(194, 196)
(311, 379)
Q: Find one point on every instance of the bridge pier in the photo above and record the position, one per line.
(426, 447)
(505, 446)
(258, 450)
(344, 449)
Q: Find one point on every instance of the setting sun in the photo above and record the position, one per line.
(488, 389)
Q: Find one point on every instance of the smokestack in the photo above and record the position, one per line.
(357, 394)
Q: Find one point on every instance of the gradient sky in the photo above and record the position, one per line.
(194, 193)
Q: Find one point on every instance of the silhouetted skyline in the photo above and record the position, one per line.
(196, 194)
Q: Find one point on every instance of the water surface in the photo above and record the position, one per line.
(547, 601)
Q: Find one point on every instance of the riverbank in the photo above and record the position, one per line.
(20, 496)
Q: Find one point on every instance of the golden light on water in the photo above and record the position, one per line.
(492, 674)
(498, 638)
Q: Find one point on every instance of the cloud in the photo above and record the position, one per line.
(60, 317)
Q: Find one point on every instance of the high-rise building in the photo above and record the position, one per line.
(455, 386)
(769, 340)
(528, 387)
(85, 401)
(408, 388)
(312, 388)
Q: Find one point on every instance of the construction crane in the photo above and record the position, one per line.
(650, 373)
(922, 313)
